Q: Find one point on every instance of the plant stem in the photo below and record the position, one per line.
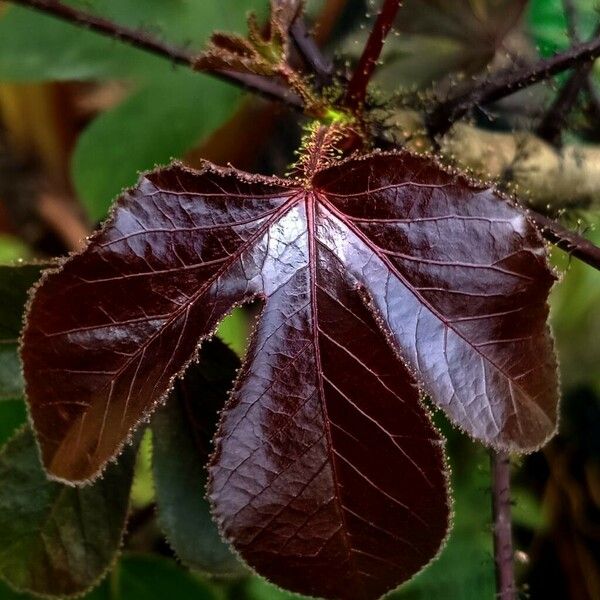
(310, 51)
(507, 82)
(357, 88)
(551, 126)
(503, 543)
(566, 240)
(571, 17)
(552, 231)
(144, 41)
(555, 119)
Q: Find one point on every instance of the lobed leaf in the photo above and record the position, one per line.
(182, 431)
(315, 449)
(380, 277)
(58, 540)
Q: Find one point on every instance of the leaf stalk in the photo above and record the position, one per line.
(503, 542)
(357, 88)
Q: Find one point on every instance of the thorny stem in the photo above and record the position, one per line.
(175, 54)
(567, 240)
(552, 231)
(507, 82)
(357, 88)
(503, 543)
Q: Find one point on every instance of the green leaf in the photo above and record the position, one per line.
(6, 593)
(15, 282)
(59, 50)
(183, 431)
(548, 24)
(234, 330)
(576, 319)
(55, 539)
(464, 570)
(157, 123)
(140, 577)
(260, 589)
(142, 490)
(172, 110)
(12, 249)
(12, 415)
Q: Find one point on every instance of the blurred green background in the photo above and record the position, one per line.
(81, 116)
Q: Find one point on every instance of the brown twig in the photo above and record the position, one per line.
(357, 88)
(569, 241)
(321, 66)
(142, 40)
(566, 240)
(507, 82)
(555, 119)
(503, 543)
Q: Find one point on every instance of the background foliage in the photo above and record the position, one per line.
(84, 115)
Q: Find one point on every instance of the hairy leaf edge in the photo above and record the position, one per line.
(447, 471)
(473, 183)
(207, 167)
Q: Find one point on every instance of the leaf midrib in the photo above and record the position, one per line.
(310, 204)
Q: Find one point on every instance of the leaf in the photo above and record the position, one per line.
(375, 273)
(259, 589)
(12, 415)
(60, 50)
(15, 282)
(548, 24)
(142, 577)
(183, 431)
(55, 539)
(142, 487)
(234, 330)
(12, 249)
(259, 53)
(162, 120)
(576, 320)
(170, 111)
(438, 38)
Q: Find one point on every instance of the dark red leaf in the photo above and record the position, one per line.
(460, 279)
(328, 477)
(108, 332)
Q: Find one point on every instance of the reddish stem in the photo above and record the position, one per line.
(357, 88)
(503, 543)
